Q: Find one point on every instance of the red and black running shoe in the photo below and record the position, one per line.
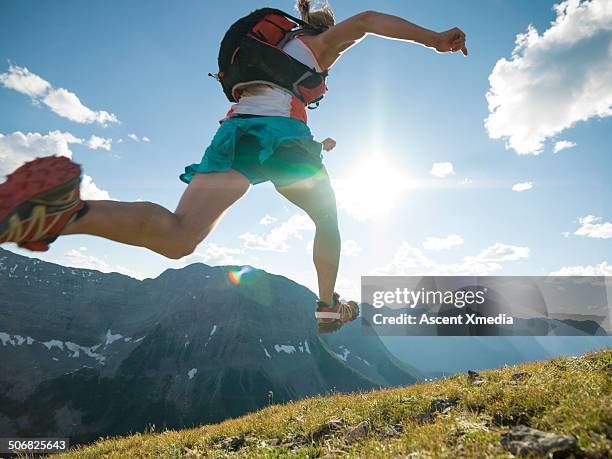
(332, 318)
(38, 201)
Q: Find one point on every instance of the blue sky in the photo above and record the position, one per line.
(394, 108)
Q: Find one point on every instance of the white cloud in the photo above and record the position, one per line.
(67, 105)
(214, 254)
(96, 142)
(18, 148)
(502, 252)
(438, 244)
(410, 260)
(78, 259)
(91, 192)
(267, 220)
(63, 102)
(350, 248)
(602, 269)
(442, 169)
(466, 181)
(133, 137)
(146, 139)
(20, 79)
(276, 239)
(591, 227)
(522, 186)
(563, 145)
(553, 80)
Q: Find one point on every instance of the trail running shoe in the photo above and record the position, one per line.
(38, 201)
(332, 318)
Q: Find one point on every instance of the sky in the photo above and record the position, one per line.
(496, 163)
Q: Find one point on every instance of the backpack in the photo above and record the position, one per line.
(251, 52)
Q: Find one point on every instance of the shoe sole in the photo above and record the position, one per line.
(51, 175)
(332, 327)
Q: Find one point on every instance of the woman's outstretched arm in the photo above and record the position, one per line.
(333, 42)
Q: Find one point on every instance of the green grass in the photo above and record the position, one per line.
(570, 396)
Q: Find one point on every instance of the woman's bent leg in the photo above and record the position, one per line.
(172, 234)
(315, 196)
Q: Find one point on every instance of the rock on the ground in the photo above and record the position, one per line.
(441, 405)
(329, 428)
(358, 432)
(233, 443)
(524, 441)
(475, 377)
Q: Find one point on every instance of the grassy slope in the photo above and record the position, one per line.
(566, 395)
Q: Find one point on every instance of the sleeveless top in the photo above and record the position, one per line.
(265, 100)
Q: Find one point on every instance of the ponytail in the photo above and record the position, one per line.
(321, 17)
(303, 7)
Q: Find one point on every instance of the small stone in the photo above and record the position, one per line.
(358, 432)
(525, 441)
(519, 376)
(440, 405)
(233, 443)
(389, 431)
(269, 442)
(464, 426)
(475, 377)
(425, 417)
(327, 429)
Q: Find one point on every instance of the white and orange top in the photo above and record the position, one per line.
(265, 100)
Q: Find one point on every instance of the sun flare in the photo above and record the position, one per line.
(371, 189)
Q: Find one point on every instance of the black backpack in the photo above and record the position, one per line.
(251, 52)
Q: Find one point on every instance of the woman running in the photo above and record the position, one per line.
(263, 138)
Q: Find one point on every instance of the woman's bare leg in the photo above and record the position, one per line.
(172, 234)
(315, 196)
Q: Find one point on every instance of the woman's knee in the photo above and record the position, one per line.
(325, 218)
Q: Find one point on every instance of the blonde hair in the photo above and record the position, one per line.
(321, 17)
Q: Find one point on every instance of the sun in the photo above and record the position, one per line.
(372, 188)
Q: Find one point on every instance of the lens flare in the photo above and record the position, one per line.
(235, 275)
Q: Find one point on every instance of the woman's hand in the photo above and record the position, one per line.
(452, 40)
(328, 144)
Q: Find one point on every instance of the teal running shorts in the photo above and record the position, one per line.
(275, 148)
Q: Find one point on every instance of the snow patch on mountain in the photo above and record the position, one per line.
(72, 349)
(345, 353)
(110, 338)
(284, 348)
(88, 351)
(14, 340)
(54, 343)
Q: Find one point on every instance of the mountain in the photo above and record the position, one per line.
(443, 355)
(556, 408)
(363, 353)
(88, 354)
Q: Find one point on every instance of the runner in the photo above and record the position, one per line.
(264, 137)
